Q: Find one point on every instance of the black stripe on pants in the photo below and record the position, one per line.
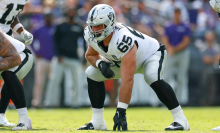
(160, 63)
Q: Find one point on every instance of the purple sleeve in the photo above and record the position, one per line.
(166, 31)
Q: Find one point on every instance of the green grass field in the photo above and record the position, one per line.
(144, 119)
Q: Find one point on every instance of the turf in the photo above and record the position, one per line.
(201, 120)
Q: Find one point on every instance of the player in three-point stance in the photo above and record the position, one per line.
(118, 51)
(15, 62)
(8, 22)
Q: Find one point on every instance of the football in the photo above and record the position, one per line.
(215, 4)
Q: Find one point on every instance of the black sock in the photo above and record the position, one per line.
(5, 99)
(165, 93)
(15, 89)
(96, 93)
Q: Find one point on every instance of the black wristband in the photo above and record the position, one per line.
(100, 63)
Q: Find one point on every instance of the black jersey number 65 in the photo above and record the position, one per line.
(124, 45)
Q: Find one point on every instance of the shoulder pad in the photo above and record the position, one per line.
(86, 34)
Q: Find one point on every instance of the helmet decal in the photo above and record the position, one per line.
(93, 14)
(111, 16)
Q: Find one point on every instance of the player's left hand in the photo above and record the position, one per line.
(27, 36)
(120, 120)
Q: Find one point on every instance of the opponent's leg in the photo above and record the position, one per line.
(16, 93)
(5, 99)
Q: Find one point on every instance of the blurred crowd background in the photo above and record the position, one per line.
(58, 79)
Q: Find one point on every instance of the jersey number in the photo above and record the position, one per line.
(9, 8)
(123, 48)
(134, 32)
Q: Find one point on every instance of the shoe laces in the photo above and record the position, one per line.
(20, 125)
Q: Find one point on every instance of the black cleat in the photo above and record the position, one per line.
(87, 126)
(174, 126)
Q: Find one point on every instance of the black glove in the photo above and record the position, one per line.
(120, 120)
(104, 67)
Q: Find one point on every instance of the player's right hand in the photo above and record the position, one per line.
(104, 67)
(120, 120)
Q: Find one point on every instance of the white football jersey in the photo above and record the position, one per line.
(17, 44)
(123, 40)
(9, 9)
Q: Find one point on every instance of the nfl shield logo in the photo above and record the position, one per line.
(114, 57)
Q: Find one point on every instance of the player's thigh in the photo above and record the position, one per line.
(27, 65)
(154, 67)
(95, 74)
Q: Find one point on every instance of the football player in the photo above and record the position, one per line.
(15, 62)
(215, 4)
(118, 51)
(8, 22)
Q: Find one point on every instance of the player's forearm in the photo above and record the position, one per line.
(9, 54)
(15, 22)
(166, 43)
(182, 45)
(9, 62)
(16, 26)
(126, 91)
(92, 59)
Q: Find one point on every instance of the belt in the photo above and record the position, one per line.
(26, 50)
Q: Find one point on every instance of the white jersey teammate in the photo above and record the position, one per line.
(215, 4)
(9, 10)
(118, 51)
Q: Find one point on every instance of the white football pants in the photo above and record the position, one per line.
(152, 69)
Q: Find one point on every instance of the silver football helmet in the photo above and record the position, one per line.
(101, 14)
(215, 4)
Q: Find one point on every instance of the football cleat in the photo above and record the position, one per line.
(24, 124)
(94, 126)
(216, 129)
(180, 123)
(20, 126)
(87, 126)
(176, 126)
(4, 122)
